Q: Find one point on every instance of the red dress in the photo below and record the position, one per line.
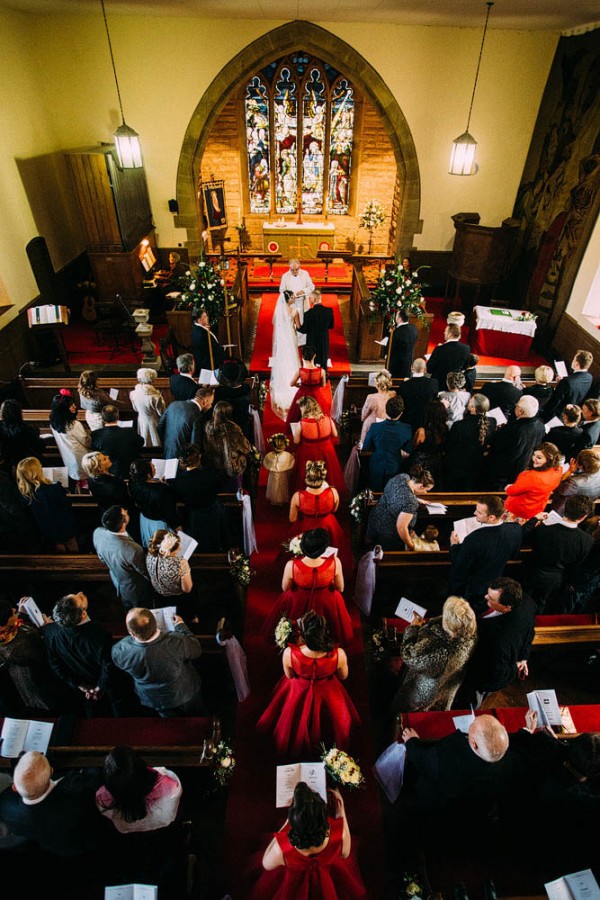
(310, 708)
(310, 386)
(324, 876)
(317, 443)
(317, 511)
(313, 588)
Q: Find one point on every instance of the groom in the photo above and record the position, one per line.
(318, 322)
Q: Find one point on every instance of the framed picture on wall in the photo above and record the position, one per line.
(213, 193)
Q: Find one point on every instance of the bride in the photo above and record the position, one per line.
(285, 358)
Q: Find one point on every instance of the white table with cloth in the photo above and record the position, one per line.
(498, 332)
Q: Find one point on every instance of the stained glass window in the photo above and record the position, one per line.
(340, 147)
(256, 107)
(299, 116)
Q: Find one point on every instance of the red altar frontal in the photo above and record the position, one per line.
(502, 333)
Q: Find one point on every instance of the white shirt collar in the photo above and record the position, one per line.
(568, 524)
(418, 375)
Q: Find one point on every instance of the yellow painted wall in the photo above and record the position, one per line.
(60, 94)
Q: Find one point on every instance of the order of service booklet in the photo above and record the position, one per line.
(313, 773)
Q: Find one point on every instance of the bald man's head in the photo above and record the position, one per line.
(512, 373)
(419, 365)
(32, 775)
(488, 738)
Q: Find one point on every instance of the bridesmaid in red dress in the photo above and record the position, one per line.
(310, 856)
(313, 379)
(314, 582)
(310, 705)
(316, 506)
(315, 438)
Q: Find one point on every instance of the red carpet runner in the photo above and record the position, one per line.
(264, 337)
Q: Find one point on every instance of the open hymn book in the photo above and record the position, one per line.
(313, 773)
(131, 892)
(578, 886)
(549, 712)
(21, 735)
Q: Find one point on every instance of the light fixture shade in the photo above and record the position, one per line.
(463, 155)
(129, 151)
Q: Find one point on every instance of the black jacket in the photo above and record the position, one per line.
(316, 326)
(403, 339)
(502, 394)
(481, 557)
(510, 450)
(452, 356)
(123, 445)
(416, 393)
(573, 389)
(502, 641)
(201, 351)
(182, 387)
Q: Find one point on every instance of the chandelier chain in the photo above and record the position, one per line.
(487, 16)
(112, 59)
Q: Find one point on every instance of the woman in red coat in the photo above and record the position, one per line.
(310, 856)
(530, 493)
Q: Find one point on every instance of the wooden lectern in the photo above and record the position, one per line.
(481, 255)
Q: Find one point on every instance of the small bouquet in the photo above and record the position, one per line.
(342, 769)
(254, 457)
(293, 546)
(526, 316)
(240, 567)
(359, 503)
(262, 395)
(283, 632)
(224, 763)
(411, 887)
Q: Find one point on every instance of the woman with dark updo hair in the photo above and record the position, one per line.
(310, 704)
(18, 439)
(310, 855)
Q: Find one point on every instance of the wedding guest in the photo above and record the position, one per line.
(18, 439)
(572, 389)
(92, 399)
(391, 444)
(278, 462)
(374, 405)
(512, 445)
(106, 489)
(455, 399)
(590, 423)
(402, 340)
(531, 491)
(435, 654)
(582, 478)
(467, 445)
(51, 508)
(542, 389)
(149, 404)
(170, 574)
(233, 388)
(72, 440)
(121, 444)
(393, 518)
(505, 393)
(316, 506)
(226, 447)
(137, 797)
(154, 499)
(309, 704)
(451, 356)
(197, 487)
(416, 392)
(182, 385)
(429, 442)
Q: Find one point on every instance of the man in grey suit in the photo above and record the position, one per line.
(183, 422)
(126, 561)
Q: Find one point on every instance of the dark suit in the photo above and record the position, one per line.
(416, 393)
(453, 356)
(573, 389)
(403, 339)
(183, 387)
(386, 439)
(317, 324)
(181, 423)
(201, 352)
(502, 394)
(558, 552)
(123, 445)
(511, 448)
(502, 641)
(482, 557)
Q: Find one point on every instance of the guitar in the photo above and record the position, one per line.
(89, 309)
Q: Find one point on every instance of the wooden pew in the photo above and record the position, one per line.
(169, 742)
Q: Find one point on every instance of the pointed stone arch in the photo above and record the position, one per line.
(278, 42)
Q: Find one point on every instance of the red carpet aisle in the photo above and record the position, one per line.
(251, 813)
(437, 305)
(83, 347)
(264, 337)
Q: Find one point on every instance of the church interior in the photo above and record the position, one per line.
(167, 158)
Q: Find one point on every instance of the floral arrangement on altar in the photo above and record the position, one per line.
(397, 289)
(202, 288)
(342, 769)
(359, 503)
(372, 217)
(239, 566)
(223, 762)
(283, 632)
(526, 316)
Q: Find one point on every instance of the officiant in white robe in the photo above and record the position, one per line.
(299, 283)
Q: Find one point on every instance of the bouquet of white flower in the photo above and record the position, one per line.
(293, 545)
(342, 768)
(283, 631)
(224, 763)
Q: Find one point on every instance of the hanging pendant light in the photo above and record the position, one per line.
(464, 146)
(127, 140)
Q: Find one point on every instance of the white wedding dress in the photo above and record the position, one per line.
(285, 359)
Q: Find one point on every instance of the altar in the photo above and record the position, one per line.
(498, 332)
(293, 240)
